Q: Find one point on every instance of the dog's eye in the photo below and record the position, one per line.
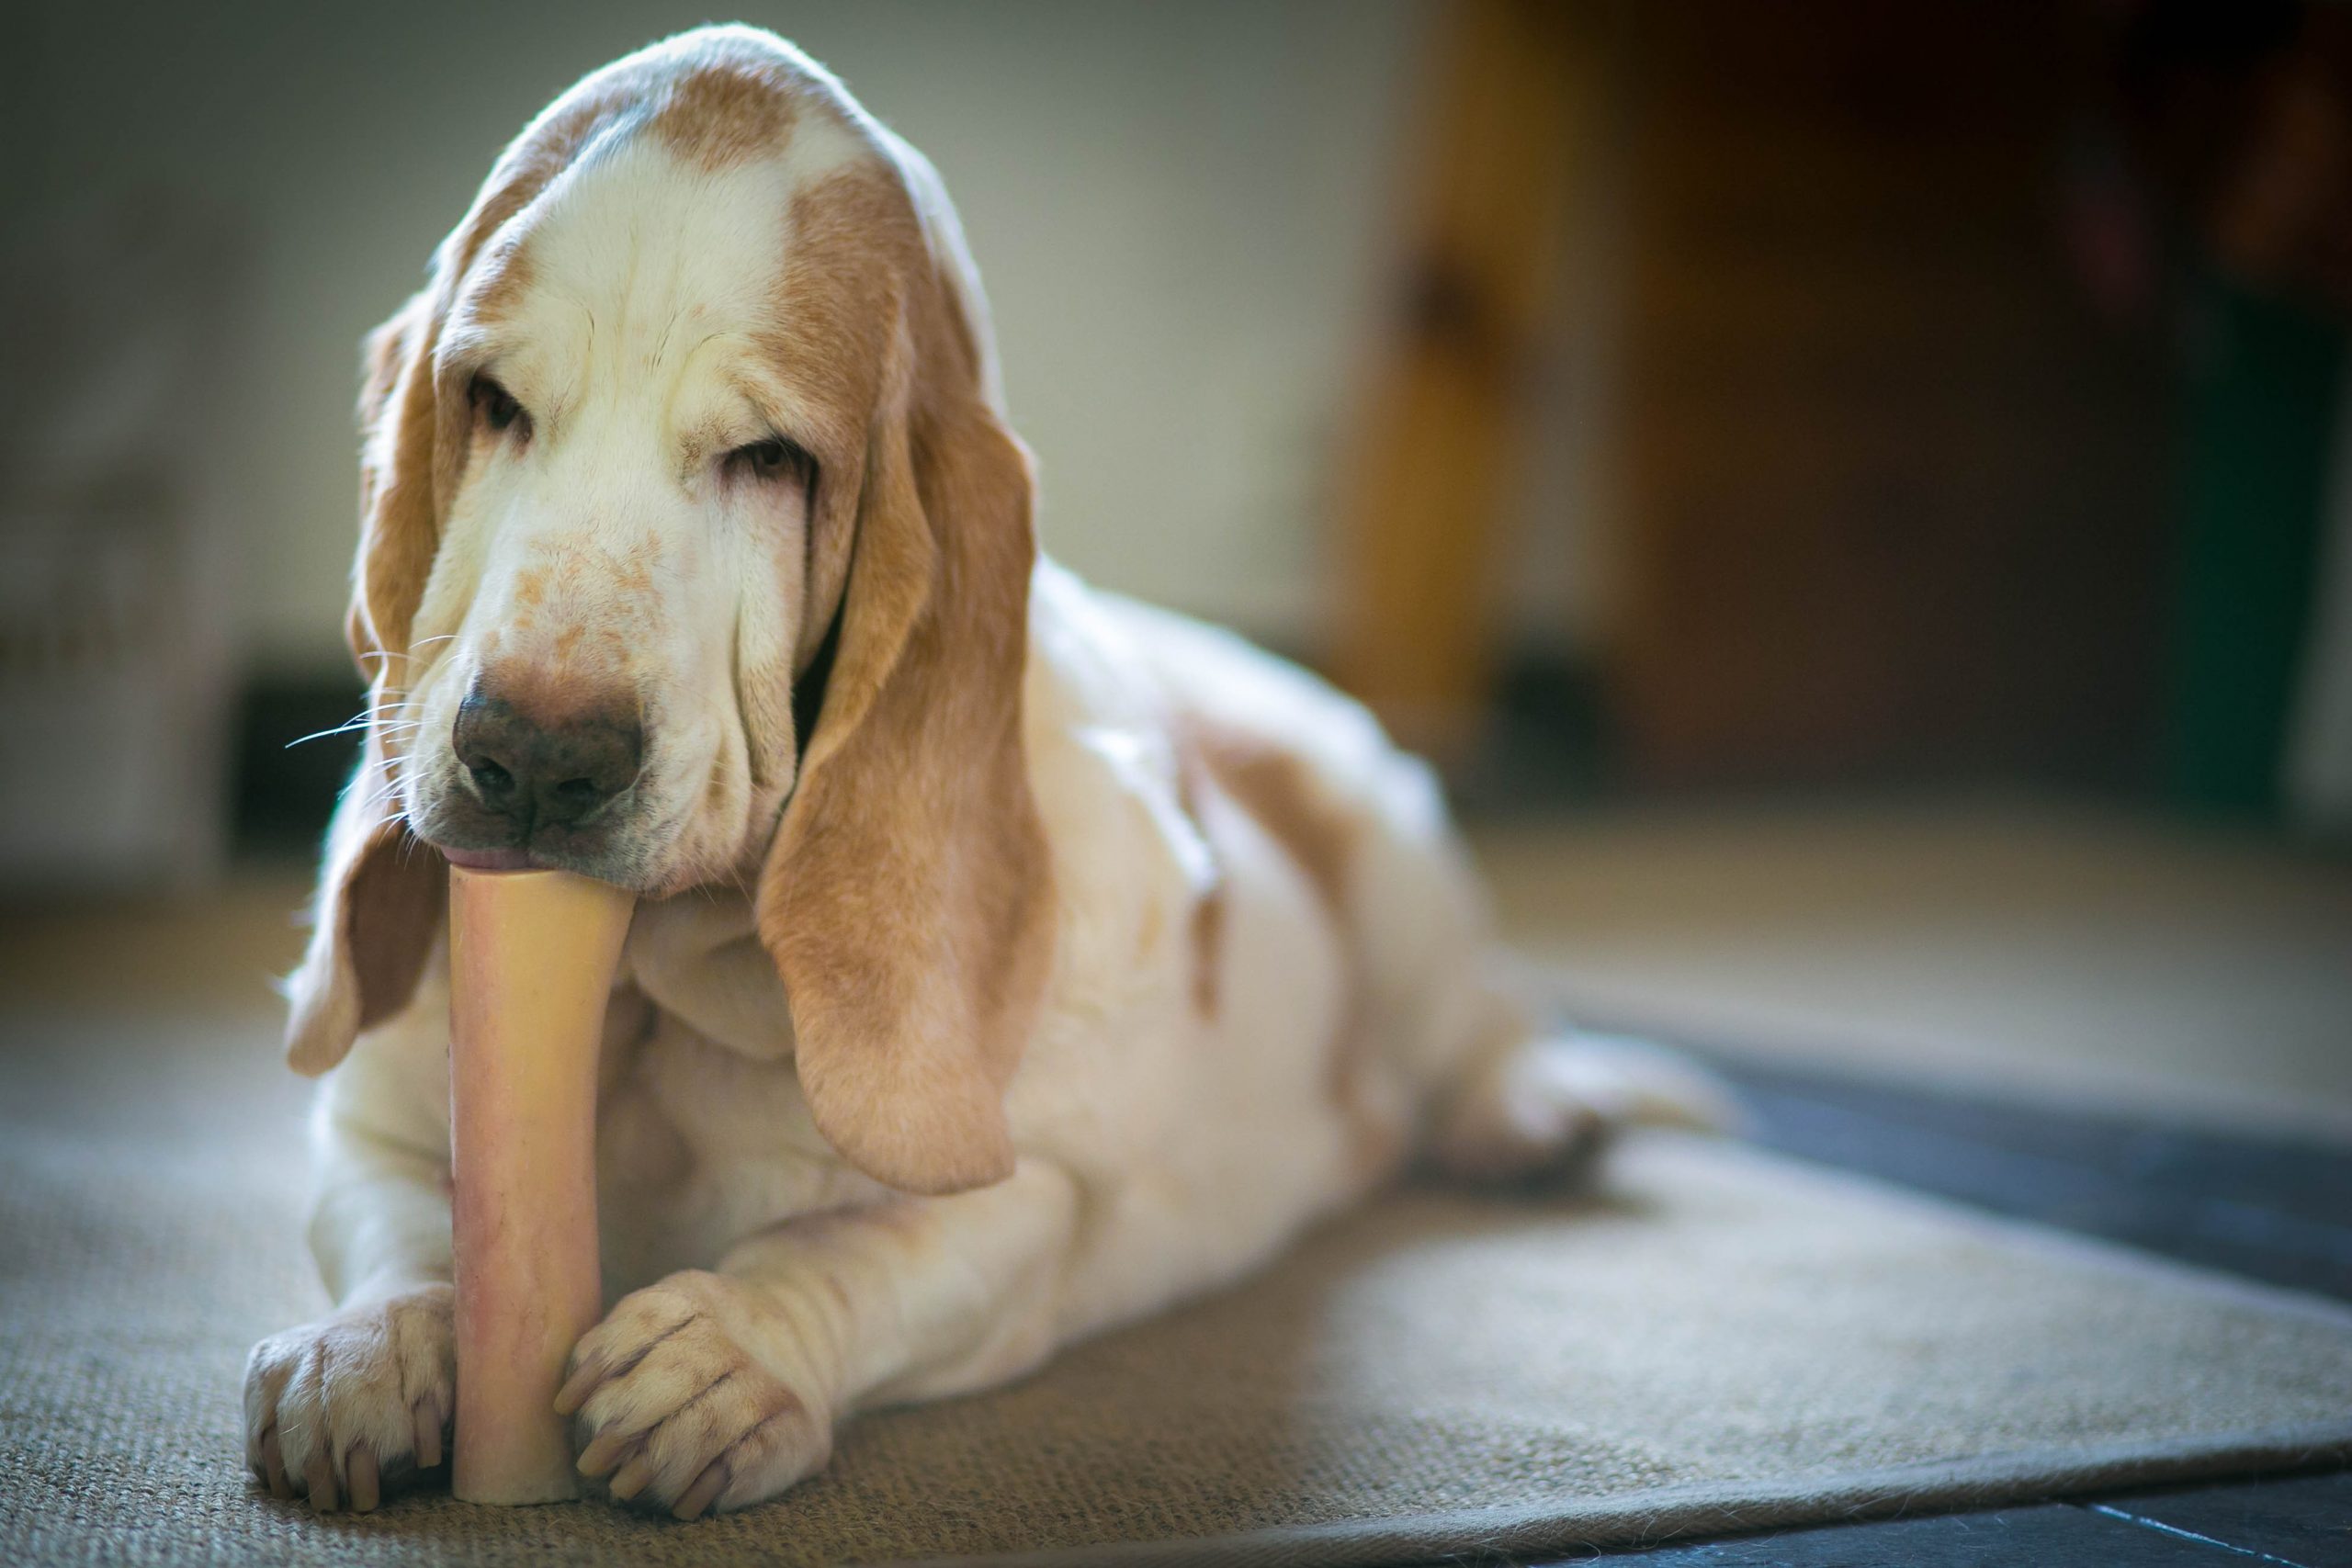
(772, 459)
(497, 405)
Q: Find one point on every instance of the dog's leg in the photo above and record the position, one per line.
(1538, 1104)
(711, 1390)
(341, 1410)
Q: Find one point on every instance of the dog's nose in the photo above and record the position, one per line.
(537, 772)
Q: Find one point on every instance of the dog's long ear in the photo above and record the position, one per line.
(381, 895)
(381, 892)
(412, 433)
(906, 898)
(398, 524)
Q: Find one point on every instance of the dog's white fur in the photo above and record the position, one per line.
(1264, 981)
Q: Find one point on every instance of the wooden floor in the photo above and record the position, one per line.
(2280, 1212)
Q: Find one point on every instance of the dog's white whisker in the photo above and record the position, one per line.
(350, 726)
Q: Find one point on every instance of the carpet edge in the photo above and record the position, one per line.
(1934, 1487)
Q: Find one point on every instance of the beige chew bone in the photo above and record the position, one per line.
(531, 962)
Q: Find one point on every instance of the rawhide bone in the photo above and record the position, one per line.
(531, 960)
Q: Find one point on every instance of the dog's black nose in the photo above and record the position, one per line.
(537, 772)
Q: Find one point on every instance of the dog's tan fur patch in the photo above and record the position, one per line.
(726, 113)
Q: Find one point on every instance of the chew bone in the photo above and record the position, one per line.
(531, 961)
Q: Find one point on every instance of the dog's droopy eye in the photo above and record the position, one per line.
(772, 459)
(497, 405)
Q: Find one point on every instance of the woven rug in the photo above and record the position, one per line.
(1712, 1339)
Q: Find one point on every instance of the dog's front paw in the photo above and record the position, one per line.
(347, 1408)
(669, 1402)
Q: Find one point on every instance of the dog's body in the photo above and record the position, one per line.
(1014, 960)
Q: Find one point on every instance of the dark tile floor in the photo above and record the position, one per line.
(2279, 1212)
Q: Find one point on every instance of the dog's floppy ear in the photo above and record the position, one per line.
(382, 894)
(412, 445)
(906, 898)
(400, 525)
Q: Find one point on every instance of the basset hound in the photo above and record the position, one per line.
(1013, 959)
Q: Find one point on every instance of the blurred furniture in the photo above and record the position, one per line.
(115, 674)
(1897, 503)
(1893, 495)
(2241, 115)
(2319, 756)
(1436, 449)
(2263, 384)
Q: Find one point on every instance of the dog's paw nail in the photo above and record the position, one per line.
(605, 1452)
(703, 1493)
(320, 1479)
(362, 1468)
(631, 1479)
(427, 1437)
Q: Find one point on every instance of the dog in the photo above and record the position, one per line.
(1012, 959)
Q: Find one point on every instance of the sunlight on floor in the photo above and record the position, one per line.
(2029, 949)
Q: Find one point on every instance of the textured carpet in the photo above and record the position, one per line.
(1714, 1340)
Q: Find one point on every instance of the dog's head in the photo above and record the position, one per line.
(694, 548)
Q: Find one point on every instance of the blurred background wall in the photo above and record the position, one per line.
(1178, 210)
(1834, 397)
